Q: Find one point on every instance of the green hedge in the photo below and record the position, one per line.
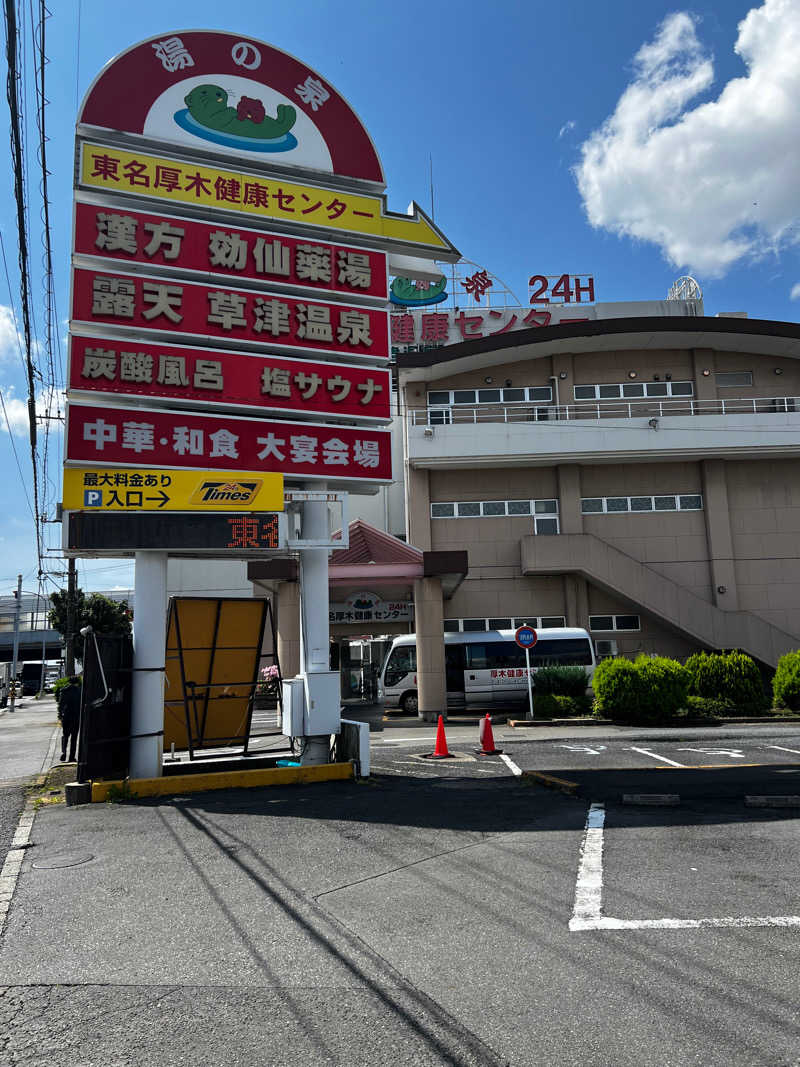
(649, 690)
(545, 706)
(786, 683)
(731, 677)
(707, 708)
(561, 681)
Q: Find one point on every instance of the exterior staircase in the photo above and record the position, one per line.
(615, 571)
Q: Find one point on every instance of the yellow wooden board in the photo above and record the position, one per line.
(213, 652)
(144, 489)
(179, 182)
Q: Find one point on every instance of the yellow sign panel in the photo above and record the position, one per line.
(129, 489)
(179, 182)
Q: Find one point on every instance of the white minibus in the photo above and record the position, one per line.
(482, 667)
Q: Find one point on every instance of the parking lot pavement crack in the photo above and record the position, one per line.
(406, 866)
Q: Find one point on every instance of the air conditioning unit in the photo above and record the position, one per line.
(604, 649)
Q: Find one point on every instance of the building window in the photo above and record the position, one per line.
(468, 509)
(731, 379)
(440, 401)
(538, 622)
(614, 622)
(544, 512)
(632, 390)
(492, 508)
(615, 505)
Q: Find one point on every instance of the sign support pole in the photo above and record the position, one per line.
(530, 686)
(149, 651)
(314, 624)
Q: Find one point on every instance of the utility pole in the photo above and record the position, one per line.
(43, 624)
(13, 696)
(69, 636)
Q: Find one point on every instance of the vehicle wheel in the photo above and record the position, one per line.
(410, 704)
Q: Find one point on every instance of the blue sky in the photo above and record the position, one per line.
(634, 141)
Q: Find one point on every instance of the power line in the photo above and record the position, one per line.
(17, 155)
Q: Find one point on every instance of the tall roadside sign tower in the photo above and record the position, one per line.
(229, 338)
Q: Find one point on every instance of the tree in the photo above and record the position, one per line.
(104, 615)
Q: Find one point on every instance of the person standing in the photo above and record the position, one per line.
(69, 712)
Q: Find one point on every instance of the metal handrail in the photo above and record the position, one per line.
(530, 411)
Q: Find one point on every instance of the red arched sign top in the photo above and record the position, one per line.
(272, 107)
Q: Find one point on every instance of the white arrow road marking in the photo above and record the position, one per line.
(584, 748)
(734, 753)
(780, 748)
(654, 755)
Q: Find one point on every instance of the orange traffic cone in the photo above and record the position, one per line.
(486, 738)
(440, 751)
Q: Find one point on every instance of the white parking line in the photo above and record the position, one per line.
(511, 764)
(587, 912)
(780, 748)
(654, 755)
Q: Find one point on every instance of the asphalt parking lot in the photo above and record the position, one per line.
(444, 912)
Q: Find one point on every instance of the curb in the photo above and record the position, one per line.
(549, 781)
(13, 861)
(577, 721)
(202, 783)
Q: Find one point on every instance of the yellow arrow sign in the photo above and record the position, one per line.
(129, 489)
(179, 182)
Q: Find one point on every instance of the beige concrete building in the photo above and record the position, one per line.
(634, 476)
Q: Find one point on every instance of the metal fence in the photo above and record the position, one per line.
(601, 409)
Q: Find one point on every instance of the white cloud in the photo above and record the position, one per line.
(9, 336)
(795, 293)
(47, 403)
(713, 183)
(566, 128)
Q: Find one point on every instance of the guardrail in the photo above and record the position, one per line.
(601, 409)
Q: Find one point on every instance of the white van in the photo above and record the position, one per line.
(484, 667)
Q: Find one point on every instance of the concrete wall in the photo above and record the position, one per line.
(741, 552)
(764, 501)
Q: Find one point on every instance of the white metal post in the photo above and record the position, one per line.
(314, 622)
(149, 652)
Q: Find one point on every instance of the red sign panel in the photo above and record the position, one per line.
(186, 245)
(204, 376)
(144, 303)
(142, 436)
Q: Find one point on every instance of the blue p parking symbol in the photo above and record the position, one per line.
(93, 498)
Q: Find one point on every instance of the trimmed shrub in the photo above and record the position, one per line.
(545, 706)
(649, 690)
(731, 677)
(666, 686)
(707, 708)
(561, 681)
(786, 683)
(572, 707)
(617, 689)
